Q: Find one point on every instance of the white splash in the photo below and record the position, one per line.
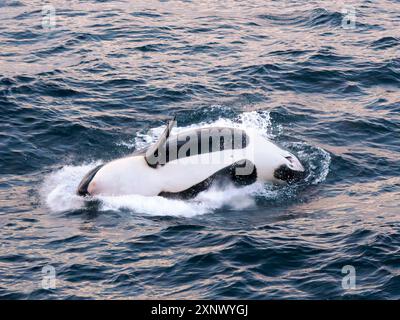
(60, 187)
(317, 159)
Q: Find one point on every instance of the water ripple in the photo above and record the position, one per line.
(101, 83)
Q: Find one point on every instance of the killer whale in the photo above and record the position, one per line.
(184, 164)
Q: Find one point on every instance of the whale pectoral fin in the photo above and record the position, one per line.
(240, 173)
(190, 192)
(152, 154)
(84, 184)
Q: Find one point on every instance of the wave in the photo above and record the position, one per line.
(310, 18)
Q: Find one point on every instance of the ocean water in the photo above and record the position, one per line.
(85, 82)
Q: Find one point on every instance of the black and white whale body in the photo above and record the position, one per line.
(182, 165)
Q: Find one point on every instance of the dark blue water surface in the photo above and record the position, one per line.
(101, 79)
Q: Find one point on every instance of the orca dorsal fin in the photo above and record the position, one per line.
(155, 150)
